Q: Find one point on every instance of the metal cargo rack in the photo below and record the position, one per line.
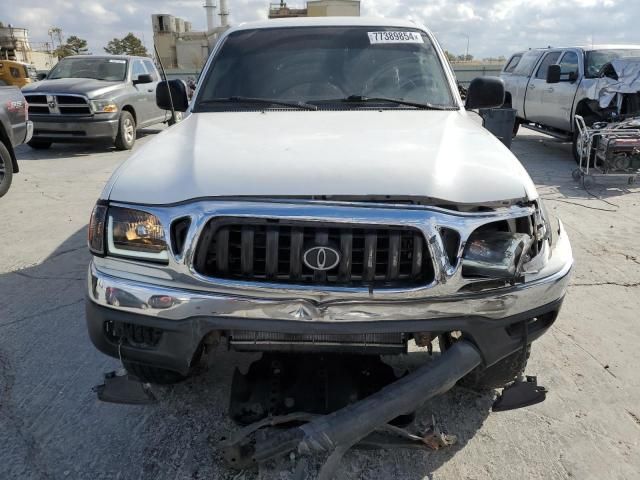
(594, 145)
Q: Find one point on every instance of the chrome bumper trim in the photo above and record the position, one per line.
(130, 295)
(29, 133)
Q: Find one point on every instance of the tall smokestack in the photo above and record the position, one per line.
(224, 13)
(210, 8)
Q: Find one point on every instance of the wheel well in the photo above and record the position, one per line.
(129, 108)
(4, 138)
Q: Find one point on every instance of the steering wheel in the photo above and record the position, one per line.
(403, 82)
(404, 85)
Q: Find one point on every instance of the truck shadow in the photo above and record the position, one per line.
(52, 422)
(66, 150)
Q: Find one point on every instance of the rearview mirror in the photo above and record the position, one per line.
(172, 91)
(553, 74)
(143, 78)
(485, 92)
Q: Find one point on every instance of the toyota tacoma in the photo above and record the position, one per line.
(327, 192)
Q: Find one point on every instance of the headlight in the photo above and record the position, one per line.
(133, 233)
(103, 106)
(495, 254)
(95, 234)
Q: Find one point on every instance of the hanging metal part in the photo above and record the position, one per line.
(524, 391)
(121, 387)
(337, 432)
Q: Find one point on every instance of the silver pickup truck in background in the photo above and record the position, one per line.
(95, 98)
(549, 86)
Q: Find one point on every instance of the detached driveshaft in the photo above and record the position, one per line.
(337, 432)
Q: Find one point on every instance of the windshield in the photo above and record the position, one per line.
(596, 59)
(320, 64)
(109, 69)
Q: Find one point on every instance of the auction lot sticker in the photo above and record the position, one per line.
(394, 37)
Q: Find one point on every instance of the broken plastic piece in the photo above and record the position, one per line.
(521, 393)
(435, 439)
(124, 388)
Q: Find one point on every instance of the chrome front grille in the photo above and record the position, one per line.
(58, 105)
(272, 251)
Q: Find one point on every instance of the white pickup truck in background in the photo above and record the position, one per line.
(549, 86)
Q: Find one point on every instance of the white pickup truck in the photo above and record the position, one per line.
(327, 192)
(549, 86)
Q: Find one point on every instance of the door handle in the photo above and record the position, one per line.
(550, 90)
(531, 87)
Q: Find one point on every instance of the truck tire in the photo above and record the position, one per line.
(6, 170)
(497, 375)
(159, 376)
(39, 144)
(575, 148)
(126, 136)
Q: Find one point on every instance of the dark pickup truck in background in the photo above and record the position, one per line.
(87, 98)
(15, 128)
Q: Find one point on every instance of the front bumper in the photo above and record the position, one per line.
(66, 128)
(488, 318)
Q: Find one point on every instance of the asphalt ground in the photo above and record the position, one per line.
(52, 426)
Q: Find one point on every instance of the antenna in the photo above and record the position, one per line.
(174, 120)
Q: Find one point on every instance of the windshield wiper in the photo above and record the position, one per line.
(398, 101)
(264, 101)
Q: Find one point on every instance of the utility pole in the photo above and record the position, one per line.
(466, 56)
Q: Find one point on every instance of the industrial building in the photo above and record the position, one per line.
(181, 48)
(15, 45)
(317, 8)
(184, 51)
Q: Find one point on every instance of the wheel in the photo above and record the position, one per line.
(576, 174)
(39, 144)
(498, 375)
(588, 181)
(6, 170)
(577, 146)
(126, 136)
(155, 375)
(516, 128)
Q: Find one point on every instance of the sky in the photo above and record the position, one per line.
(490, 27)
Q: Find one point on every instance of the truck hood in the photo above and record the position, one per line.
(81, 86)
(443, 155)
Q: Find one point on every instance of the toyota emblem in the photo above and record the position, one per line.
(321, 258)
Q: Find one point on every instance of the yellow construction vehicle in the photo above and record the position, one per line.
(16, 73)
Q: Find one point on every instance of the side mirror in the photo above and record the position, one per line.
(41, 76)
(553, 74)
(143, 78)
(172, 91)
(485, 92)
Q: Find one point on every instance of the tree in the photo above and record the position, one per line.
(128, 45)
(450, 56)
(73, 46)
